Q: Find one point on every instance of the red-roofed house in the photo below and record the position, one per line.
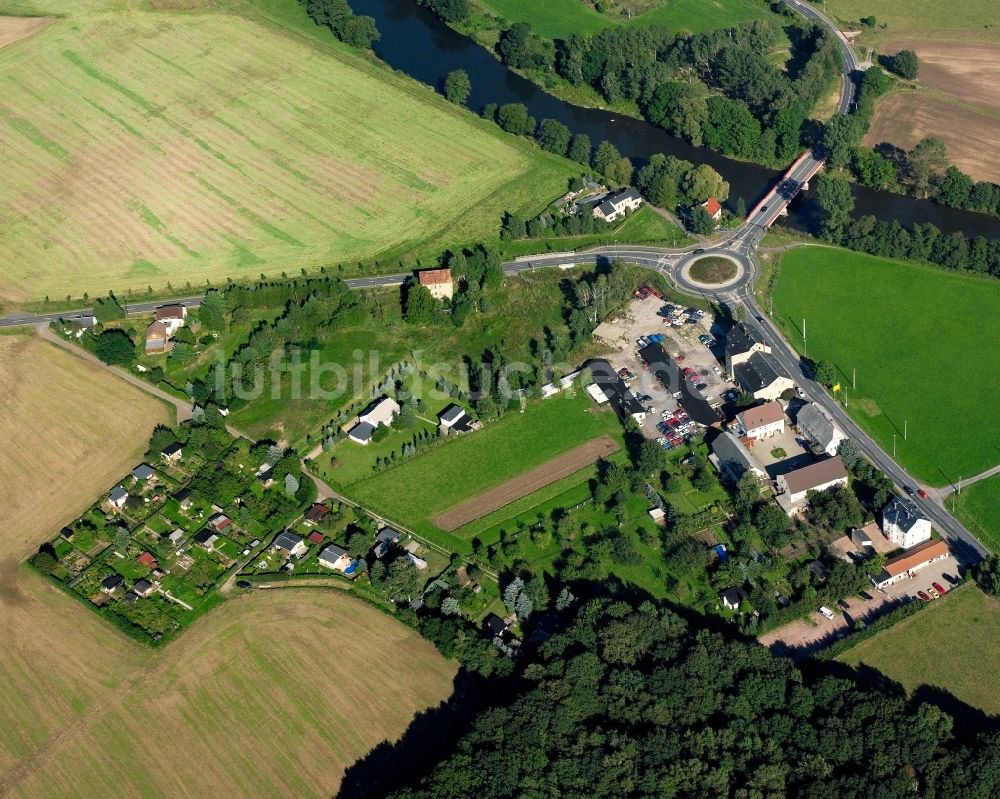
(172, 317)
(713, 207)
(316, 537)
(147, 559)
(438, 282)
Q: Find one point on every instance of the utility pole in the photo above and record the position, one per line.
(894, 446)
(805, 341)
(904, 429)
(854, 377)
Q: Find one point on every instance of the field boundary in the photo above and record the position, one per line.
(525, 483)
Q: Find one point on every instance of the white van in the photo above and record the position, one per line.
(826, 612)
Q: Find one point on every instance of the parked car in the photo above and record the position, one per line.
(866, 596)
(923, 596)
(800, 392)
(939, 588)
(701, 386)
(826, 612)
(244, 584)
(933, 593)
(950, 579)
(908, 490)
(844, 604)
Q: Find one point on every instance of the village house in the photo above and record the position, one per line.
(386, 537)
(903, 524)
(381, 412)
(147, 559)
(156, 338)
(144, 473)
(761, 421)
(183, 498)
(176, 537)
(732, 458)
(206, 539)
(455, 418)
(818, 476)
(713, 208)
(143, 588)
(316, 513)
(438, 282)
(613, 388)
(818, 429)
(334, 557)
(172, 453)
(731, 598)
(741, 344)
(117, 497)
(616, 205)
(292, 545)
(110, 583)
(171, 317)
(219, 522)
(911, 561)
(762, 376)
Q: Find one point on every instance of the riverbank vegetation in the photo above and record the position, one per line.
(395, 172)
(918, 363)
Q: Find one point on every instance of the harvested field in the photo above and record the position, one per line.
(524, 484)
(274, 694)
(967, 72)
(972, 138)
(164, 146)
(14, 28)
(70, 430)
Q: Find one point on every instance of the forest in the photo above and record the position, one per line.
(629, 699)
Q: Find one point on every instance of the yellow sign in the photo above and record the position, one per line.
(837, 387)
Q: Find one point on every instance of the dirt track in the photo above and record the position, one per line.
(522, 485)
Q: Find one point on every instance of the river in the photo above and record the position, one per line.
(416, 42)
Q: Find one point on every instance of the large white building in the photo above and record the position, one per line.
(903, 524)
(761, 421)
(438, 282)
(615, 205)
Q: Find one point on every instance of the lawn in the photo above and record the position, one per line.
(922, 342)
(954, 645)
(252, 688)
(70, 431)
(978, 508)
(557, 19)
(428, 484)
(169, 149)
(713, 270)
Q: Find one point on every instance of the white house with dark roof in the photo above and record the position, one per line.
(144, 472)
(818, 429)
(617, 204)
(904, 524)
(762, 376)
(361, 433)
(291, 544)
(741, 344)
(172, 453)
(761, 421)
(117, 497)
(454, 418)
(334, 557)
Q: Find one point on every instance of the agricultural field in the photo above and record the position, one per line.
(419, 489)
(70, 430)
(978, 508)
(921, 346)
(169, 151)
(208, 715)
(954, 645)
(556, 19)
(957, 100)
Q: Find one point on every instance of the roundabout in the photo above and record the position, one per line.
(713, 270)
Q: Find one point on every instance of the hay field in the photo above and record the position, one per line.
(157, 147)
(13, 29)
(953, 644)
(69, 431)
(956, 21)
(922, 346)
(271, 695)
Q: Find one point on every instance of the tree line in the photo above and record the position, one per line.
(337, 15)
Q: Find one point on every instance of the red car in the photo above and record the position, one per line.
(922, 493)
(923, 596)
(938, 588)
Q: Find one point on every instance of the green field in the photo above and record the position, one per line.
(556, 19)
(922, 19)
(954, 645)
(922, 341)
(149, 147)
(978, 508)
(428, 484)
